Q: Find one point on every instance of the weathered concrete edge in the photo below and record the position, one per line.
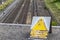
(15, 24)
(24, 25)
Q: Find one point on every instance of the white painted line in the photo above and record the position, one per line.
(55, 26)
(24, 25)
(15, 24)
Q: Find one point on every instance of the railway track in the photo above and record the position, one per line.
(25, 11)
(35, 10)
(22, 16)
(13, 13)
(42, 11)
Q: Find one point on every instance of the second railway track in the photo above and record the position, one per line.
(21, 19)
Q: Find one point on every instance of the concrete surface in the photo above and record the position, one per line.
(21, 32)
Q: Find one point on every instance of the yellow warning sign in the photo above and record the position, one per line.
(39, 30)
(40, 25)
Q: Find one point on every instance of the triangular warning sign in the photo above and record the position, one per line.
(40, 25)
(39, 29)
